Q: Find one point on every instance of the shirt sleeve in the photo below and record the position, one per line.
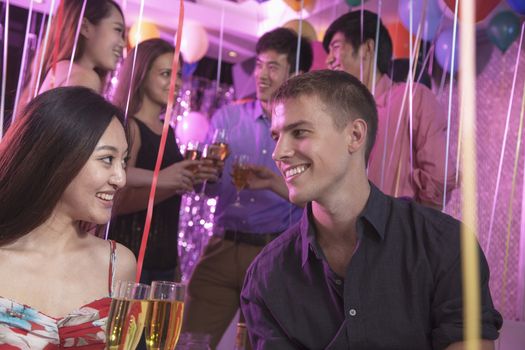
(447, 306)
(430, 140)
(264, 331)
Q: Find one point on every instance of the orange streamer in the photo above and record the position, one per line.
(162, 146)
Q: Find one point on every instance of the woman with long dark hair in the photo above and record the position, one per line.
(61, 164)
(149, 96)
(98, 50)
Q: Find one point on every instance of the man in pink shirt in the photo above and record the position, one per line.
(408, 159)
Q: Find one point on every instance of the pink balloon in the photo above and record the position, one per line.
(192, 127)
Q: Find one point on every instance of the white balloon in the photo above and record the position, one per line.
(194, 42)
(193, 127)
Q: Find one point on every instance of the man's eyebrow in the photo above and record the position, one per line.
(293, 126)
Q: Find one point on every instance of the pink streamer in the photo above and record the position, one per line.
(46, 40)
(449, 116)
(4, 69)
(24, 59)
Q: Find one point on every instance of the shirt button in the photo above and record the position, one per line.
(264, 151)
(244, 221)
(252, 200)
(338, 282)
(352, 312)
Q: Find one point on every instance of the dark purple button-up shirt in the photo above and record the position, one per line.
(401, 290)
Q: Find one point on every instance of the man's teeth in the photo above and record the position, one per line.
(105, 196)
(294, 171)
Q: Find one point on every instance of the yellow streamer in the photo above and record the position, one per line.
(469, 247)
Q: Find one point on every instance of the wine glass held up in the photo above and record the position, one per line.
(165, 315)
(241, 171)
(127, 315)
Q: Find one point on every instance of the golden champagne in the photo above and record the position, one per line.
(125, 323)
(240, 176)
(163, 324)
(221, 150)
(193, 154)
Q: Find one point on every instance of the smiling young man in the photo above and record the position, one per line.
(240, 232)
(361, 270)
(409, 157)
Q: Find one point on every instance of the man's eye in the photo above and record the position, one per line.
(298, 133)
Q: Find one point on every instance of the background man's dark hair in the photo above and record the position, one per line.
(284, 41)
(345, 97)
(350, 26)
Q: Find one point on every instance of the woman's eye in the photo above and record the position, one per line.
(108, 159)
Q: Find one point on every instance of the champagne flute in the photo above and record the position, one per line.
(165, 316)
(193, 152)
(241, 170)
(127, 315)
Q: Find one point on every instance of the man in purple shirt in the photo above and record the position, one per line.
(240, 232)
(409, 157)
(361, 270)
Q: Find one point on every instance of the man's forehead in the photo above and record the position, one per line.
(338, 37)
(272, 56)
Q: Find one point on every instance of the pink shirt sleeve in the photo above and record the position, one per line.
(429, 147)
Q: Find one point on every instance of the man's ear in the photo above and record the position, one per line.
(357, 132)
(368, 49)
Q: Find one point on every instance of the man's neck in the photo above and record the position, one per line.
(336, 218)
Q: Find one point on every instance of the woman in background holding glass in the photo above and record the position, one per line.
(61, 164)
(148, 98)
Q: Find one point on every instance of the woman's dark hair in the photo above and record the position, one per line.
(147, 52)
(95, 11)
(43, 151)
(350, 26)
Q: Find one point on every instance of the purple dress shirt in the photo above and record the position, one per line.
(262, 211)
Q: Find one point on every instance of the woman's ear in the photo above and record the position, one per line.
(357, 133)
(86, 28)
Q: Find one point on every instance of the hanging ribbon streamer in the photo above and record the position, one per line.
(520, 302)
(219, 60)
(137, 40)
(505, 133)
(42, 55)
(164, 136)
(376, 46)
(503, 299)
(469, 246)
(24, 59)
(4, 69)
(77, 34)
(58, 34)
(449, 112)
(362, 36)
(299, 38)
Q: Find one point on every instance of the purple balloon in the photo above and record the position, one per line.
(518, 6)
(443, 50)
(432, 18)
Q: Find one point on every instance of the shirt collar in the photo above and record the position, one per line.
(375, 213)
(258, 111)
